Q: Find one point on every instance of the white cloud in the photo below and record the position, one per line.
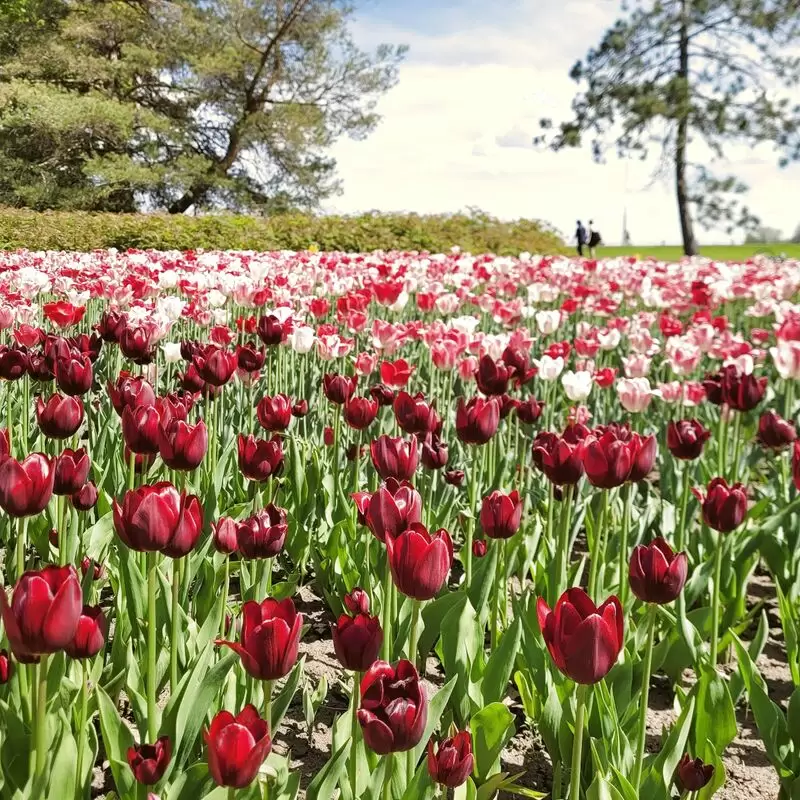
(457, 131)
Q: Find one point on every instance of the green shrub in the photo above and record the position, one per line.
(474, 232)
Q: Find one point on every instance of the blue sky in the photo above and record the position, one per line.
(457, 129)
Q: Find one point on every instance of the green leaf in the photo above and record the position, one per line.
(62, 771)
(659, 776)
(433, 616)
(436, 706)
(492, 727)
(601, 789)
(483, 582)
(284, 698)
(421, 786)
(715, 716)
(461, 639)
(324, 784)
(710, 756)
(117, 738)
(501, 663)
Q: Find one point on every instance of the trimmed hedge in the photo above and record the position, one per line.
(474, 232)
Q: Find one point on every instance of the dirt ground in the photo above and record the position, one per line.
(750, 776)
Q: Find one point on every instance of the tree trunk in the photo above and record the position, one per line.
(194, 195)
(682, 137)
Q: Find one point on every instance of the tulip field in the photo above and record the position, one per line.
(398, 526)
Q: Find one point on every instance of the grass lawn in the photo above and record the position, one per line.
(722, 252)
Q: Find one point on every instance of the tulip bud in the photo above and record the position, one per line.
(686, 438)
(434, 453)
(59, 417)
(6, 667)
(382, 393)
(724, 507)
(452, 764)
(111, 325)
(262, 535)
(492, 376)
(455, 477)
(501, 514)
(414, 415)
(141, 429)
(270, 638)
(149, 762)
(224, 535)
(584, 641)
(357, 641)
(339, 388)
(394, 457)
(420, 562)
(477, 420)
(741, 392)
(90, 636)
(183, 446)
(360, 413)
(237, 747)
(275, 413)
(97, 569)
(396, 374)
(692, 774)
(394, 708)
(328, 436)
(300, 409)
(85, 498)
(13, 363)
(530, 410)
(74, 374)
(357, 601)
(71, 471)
(260, 459)
(774, 432)
(136, 344)
(270, 330)
(479, 548)
(657, 575)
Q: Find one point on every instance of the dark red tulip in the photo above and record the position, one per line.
(224, 535)
(415, 415)
(477, 420)
(136, 344)
(434, 454)
(130, 391)
(393, 508)
(248, 359)
(86, 345)
(270, 638)
(71, 471)
(275, 413)
(74, 374)
(420, 562)
(742, 392)
(686, 439)
(394, 708)
(492, 376)
(328, 436)
(174, 406)
(26, 486)
(724, 507)
(383, 394)
(149, 762)
(360, 412)
(560, 459)
(191, 381)
(141, 429)
(518, 363)
(263, 534)
(215, 365)
(507, 405)
(796, 465)
(774, 432)
(713, 388)
(395, 457)
(501, 514)
(584, 640)
(59, 417)
(259, 459)
(339, 388)
(141, 461)
(97, 569)
(159, 518)
(237, 747)
(91, 634)
(300, 409)
(39, 369)
(190, 348)
(13, 363)
(362, 501)
(44, 611)
(455, 477)
(357, 601)
(270, 330)
(607, 460)
(85, 498)
(182, 445)
(657, 575)
(5, 444)
(6, 667)
(111, 325)
(357, 641)
(644, 450)
(692, 774)
(451, 763)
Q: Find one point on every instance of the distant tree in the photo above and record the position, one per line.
(173, 104)
(674, 73)
(763, 235)
(796, 235)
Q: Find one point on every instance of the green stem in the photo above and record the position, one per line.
(737, 444)
(231, 793)
(413, 639)
(560, 584)
(355, 730)
(173, 652)
(473, 499)
(337, 415)
(648, 666)
(623, 555)
(41, 718)
(494, 631)
(557, 771)
(268, 706)
(22, 543)
(597, 545)
(225, 591)
(84, 703)
(386, 794)
(680, 537)
(131, 471)
(722, 450)
(577, 744)
(715, 602)
(386, 612)
(152, 585)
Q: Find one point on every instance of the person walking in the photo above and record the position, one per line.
(580, 238)
(594, 240)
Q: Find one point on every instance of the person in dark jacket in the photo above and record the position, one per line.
(594, 240)
(580, 237)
